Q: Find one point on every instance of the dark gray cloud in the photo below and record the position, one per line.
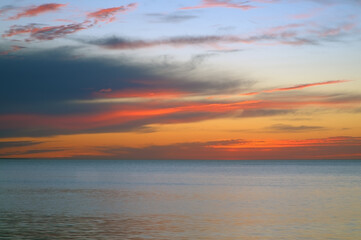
(265, 112)
(40, 91)
(32, 151)
(6, 8)
(290, 34)
(170, 18)
(9, 144)
(212, 41)
(45, 82)
(38, 81)
(290, 128)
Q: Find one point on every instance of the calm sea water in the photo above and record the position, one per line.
(223, 200)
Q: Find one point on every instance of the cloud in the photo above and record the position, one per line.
(140, 93)
(288, 34)
(108, 14)
(38, 32)
(6, 8)
(31, 152)
(41, 32)
(296, 87)
(125, 44)
(37, 10)
(11, 144)
(212, 41)
(55, 93)
(170, 18)
(310, 14)
(337, 147)
(335, 1)
(307, 85)
(53, 84)
(242, 149)
(335, 31)
(265, 112)
(14, 48)
(290, 128)
(131, 116)
(221, 3)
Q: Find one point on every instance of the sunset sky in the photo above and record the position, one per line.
(180, 79)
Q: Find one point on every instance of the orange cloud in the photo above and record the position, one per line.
(339, 147)
(240, 149)
(301, 86)
(34, 11)
(108, 14)
(318, 148)
(137, 115)
(256, 144)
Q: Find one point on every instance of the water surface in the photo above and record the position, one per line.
(83, 199)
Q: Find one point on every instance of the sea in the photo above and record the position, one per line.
(180, 200)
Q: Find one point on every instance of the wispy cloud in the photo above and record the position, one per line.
(41, 152)
(342, 147)
(13, 48)
(108, 14)
(338, 147)
(221, 3)
(139, 93)
(122, 43)
(213, 41)
(12, 144)
(296, 87)
(37, 10)
(291, 128)
(38, 32)
(43, 32)
(7, 8)
(170, 18)
(289, 34)
(310, 14)
(335, 31)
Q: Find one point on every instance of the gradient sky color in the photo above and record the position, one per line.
(193, 79)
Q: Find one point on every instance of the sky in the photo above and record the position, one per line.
(180, 79)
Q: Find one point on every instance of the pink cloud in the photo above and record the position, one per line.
(108, 14)
(46, 33)
(284, 28)
(39, 32)
(220, 3)
(336, 30)
(310, 14)
(35, 11)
